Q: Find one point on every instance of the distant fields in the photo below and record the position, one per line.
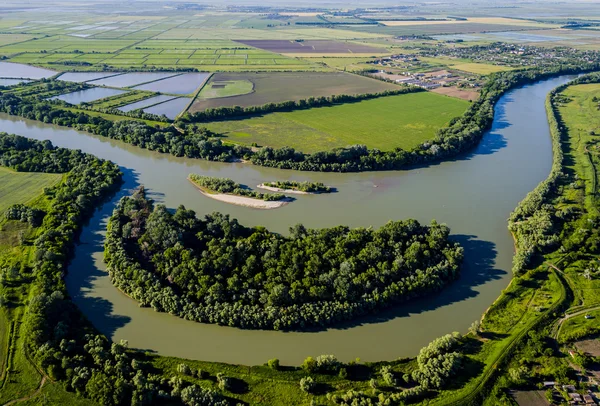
(22, 187)
(385, 123)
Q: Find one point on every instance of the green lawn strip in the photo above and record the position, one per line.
(122, 99)
(114, 117)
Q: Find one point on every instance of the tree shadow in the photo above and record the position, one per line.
(86, 270)
(478, 269)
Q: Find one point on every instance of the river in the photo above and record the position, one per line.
(473, 194)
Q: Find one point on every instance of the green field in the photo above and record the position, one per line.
(385, 123)
(23, 187)
(227, 88)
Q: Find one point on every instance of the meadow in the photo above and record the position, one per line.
(23, 187)
(385, 123)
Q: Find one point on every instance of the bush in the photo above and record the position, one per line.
(273, 363)
(308, 385)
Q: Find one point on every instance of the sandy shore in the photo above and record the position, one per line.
(241, 200)
(276, 189)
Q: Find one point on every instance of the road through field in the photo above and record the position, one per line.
(473, 194)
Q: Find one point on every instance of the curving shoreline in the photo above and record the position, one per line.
(429, 192)
(241, 200)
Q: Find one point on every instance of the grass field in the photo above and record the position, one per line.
(217, 89)
(384, 123)
(22, 187)
(579, 113)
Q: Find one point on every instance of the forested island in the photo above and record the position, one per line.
(290, 186)
(214, 270)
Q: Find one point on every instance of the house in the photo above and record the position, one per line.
(575, 397)
(589, 400)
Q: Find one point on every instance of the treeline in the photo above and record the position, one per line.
(192, 142)
(228, 186)
(308, 187)
(535, 222)
(26, 214)
(217, 271)
(437, 364)
(58, 337)
(224, 113)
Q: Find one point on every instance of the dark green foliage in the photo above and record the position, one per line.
(217, 271)
(228, 186)
(309, 187)
(436, 363)
(26, 214)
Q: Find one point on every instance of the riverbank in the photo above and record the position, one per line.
(430, 192)
(241, 200)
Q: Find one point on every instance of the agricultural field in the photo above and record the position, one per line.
(580, 39)
(206, 54)
(23, 187)
(479, 68)
(385, 123)
(311, 47)
(279, 87)
(473, 20)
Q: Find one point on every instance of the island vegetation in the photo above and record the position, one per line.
(291, 186)
(212, 185)
(215, 270)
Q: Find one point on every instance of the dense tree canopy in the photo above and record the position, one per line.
(217, 271)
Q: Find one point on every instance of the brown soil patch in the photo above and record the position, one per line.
(458, 93)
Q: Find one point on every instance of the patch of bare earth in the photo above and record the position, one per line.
(458, 93)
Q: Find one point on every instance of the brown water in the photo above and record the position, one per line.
(473, 194)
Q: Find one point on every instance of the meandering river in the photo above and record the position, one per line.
(473, 194)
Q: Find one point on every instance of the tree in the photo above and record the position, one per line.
(184, 369)
(474, 329)
(309, 364)
(307, 385)
(273, 363)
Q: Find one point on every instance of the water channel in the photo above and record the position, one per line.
(473, 194)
